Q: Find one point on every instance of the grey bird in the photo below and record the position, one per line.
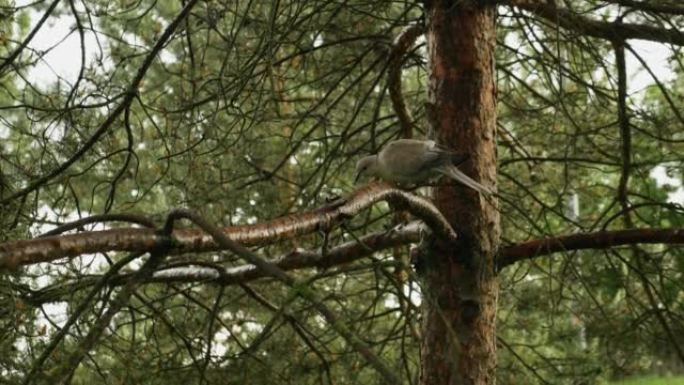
(411, 161)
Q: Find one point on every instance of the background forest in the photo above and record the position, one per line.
(248, 111)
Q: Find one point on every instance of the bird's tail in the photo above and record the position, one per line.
(454, 173)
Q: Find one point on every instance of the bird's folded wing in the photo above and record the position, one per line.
(409, 157)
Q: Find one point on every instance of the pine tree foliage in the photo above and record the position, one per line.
(249, 111)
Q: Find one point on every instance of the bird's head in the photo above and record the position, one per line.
(366, 166)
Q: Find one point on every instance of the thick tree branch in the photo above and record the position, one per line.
(599, 240)
(214, 273)
(45, 249)
(353, 251)
(345, 253)
(613, 31)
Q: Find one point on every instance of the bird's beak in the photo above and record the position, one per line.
(357, 177)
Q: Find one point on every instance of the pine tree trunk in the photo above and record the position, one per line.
(461, 287)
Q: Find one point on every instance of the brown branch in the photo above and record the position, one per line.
(599, 240)
(614, 31)
(626, 138)
(45, 249)
(345, 253)
(214, 273)
(352, 251)
(65, 371)
(402, 43)
(645, 6)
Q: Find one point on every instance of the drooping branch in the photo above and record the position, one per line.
(45, 249)
(128, 98)
(15, 54)
(298, 287)
(53, 295)
(598, 240)
(612, 31)
(66, 371)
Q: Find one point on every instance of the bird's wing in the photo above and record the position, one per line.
(453, 157)
(409, 156)
(409, 145)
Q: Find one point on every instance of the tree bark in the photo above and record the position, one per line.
(460, 283)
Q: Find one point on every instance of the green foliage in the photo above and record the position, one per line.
(258, 109)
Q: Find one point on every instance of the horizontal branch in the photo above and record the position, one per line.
(345, 253)
(355, 250)
(352, 251)
(598, 240)
(613, 31)
(201, 272)
(45, 249)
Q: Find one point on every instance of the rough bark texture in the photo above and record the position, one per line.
(459, 343)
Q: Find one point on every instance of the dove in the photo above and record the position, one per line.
(412, 161)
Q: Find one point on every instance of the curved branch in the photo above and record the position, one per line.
(45, 249)
(598, 240)
(402, 43)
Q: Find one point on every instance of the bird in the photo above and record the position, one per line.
(413, 161)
